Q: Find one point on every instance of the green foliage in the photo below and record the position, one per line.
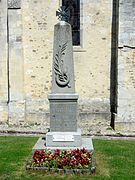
(115, 160)
(63, 159)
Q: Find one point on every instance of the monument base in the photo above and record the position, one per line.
(68, 139)
(86, 143)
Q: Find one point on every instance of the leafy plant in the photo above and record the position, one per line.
(63, 159)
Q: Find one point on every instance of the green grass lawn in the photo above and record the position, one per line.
(115, 160)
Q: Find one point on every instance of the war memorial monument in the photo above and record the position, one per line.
(64, 132)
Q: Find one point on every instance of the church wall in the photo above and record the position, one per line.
(125, 119)
(26, 38)
(91, 61)
(3, 64)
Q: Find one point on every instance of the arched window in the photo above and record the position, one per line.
(74, 7)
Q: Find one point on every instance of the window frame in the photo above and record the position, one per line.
(79, 48)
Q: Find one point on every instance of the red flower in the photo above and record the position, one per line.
(60, 159)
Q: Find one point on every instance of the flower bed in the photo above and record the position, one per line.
(65, 161)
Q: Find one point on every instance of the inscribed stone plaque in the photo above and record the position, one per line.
(63, 116)
(64, 137)
(14, 4)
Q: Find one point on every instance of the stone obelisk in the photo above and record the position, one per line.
(63, 99)
(63, 133)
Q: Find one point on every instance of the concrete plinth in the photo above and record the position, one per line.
(64, 139)
(41, 145)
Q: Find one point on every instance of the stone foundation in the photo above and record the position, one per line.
(34, 116)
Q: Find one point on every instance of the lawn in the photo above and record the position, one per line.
(115, 160)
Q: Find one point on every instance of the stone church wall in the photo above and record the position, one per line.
(91, 59)
(26, 81)
(126, 67)
(3, 64)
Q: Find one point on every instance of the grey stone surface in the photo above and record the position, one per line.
(127, 26)
(41, 145)
(63, 113)
(64, 139)
(125, 118)
(3, 113)
(16, 63)
(63, 99)
(63, 67)
(17, 112)
(63, 96)
(3, 52)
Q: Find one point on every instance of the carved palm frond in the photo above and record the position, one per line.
(63, 48)
(61, 74)
(58, 63)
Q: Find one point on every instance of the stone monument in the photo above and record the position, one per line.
(64, 133)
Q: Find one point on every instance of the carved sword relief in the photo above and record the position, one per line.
(62, 77)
